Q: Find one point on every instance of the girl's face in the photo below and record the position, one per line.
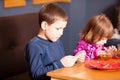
(102, 41)
(54, 31)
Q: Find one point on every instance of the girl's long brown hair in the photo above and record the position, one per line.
(98, 27)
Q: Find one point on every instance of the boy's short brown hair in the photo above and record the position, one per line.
(98, 27)
(50, 12)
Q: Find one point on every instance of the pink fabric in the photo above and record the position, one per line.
(91, 49)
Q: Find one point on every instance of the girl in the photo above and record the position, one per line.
(93, 37)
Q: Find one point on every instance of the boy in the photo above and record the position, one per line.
(45, 51)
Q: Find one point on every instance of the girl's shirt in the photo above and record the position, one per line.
(90, 49)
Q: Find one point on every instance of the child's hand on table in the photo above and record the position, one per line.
(110, 49)
(68, 61)
(80, 56)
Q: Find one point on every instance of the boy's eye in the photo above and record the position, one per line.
(58, 28)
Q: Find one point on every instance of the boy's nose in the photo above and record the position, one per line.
(61, 33)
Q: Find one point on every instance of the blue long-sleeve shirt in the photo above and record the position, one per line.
(43, 56)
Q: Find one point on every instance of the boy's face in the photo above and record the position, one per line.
(54, 31)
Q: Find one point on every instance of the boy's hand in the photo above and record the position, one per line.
(68, 61)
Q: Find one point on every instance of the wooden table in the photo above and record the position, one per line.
(81, 72)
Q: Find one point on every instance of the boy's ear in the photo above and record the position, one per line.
(44, 25)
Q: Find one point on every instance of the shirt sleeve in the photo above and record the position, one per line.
(80, 46)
